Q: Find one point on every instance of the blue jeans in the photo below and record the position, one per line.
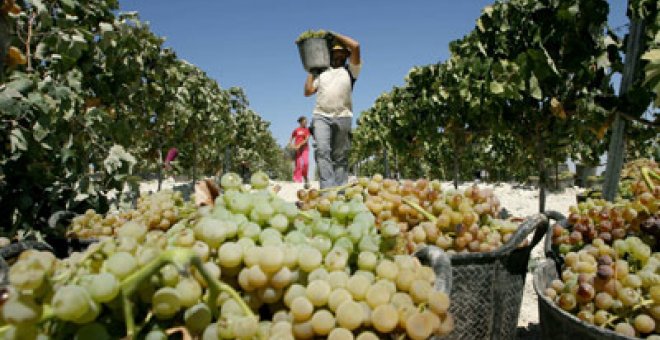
(333, 141)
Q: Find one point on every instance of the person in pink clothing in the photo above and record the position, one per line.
(299, 139)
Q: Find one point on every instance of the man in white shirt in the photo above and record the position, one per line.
(333, 113)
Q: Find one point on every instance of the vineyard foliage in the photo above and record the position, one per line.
(90, 97)
(529, 87)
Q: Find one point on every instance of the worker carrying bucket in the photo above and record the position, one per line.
(333, 70)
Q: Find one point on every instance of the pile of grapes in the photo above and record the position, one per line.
(611, 265)
(638, 177)
(454, 221)
(157, 211)
(251, 266)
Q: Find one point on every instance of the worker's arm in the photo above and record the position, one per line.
(309, 85)
(352, 45)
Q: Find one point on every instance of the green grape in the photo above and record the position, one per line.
(377, 295)
(301, 308)
(337, 296)
(400, 299)
(21, 309)
(282, 278)
(270, 236)
(169, 275)
(279, 222)
(262, 212)
(438, 302)
(249, 230)
(417, 327)
(340, 334)
(309, 258)
(211, 332)
(323, 322)
(189, 291)
(385, 318)
(240, 203)
(644, 324)
(94, 309)
(366, 335)
(103, 287)
(322, 243)
(251, 256)
(295, 237)
(155, 334)
(319, 273)
(345, 243)
(166, 303)
(302, 330)
(294, 291)
(358, 285)
(230, 308)
(350, 315)
(245, 327)
(70, 302)
(318, 292)
(197, 318)
(211, 231)
(336, 259)
(337, 279)
(27, 274)
(133, 230)
(405, 279)
(259, 180)
(230, 180)
(367, 260)
(272, 258)
(387, 269)
(369, 243)
(257, 277)
(336, 231)
(269, 294)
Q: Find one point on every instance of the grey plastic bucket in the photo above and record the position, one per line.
(314, 54)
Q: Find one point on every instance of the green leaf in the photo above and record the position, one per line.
(105, 27)
(39, 132)
(69, 4)
(534, 88)
(17, 140)
(20, 84)
(496, 88)
(39, 5)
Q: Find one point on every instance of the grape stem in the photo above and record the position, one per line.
(643, 304)
(610, 320)
(647, 174)
(419, 209)
(180, 258)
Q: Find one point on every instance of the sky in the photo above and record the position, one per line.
(250, 43)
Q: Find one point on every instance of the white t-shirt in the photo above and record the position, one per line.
(333, 91)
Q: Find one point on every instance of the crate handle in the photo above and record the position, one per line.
(437, 259)
(536, 223)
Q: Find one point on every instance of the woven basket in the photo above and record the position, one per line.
(487, 288)
(557, 324)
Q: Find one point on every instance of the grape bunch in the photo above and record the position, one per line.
(633, 183)
(452, 220)
(247, 267)
(614, 286)
(599, 219)
(160, 210)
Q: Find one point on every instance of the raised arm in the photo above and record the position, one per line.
(352, 45)
(309, 85)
